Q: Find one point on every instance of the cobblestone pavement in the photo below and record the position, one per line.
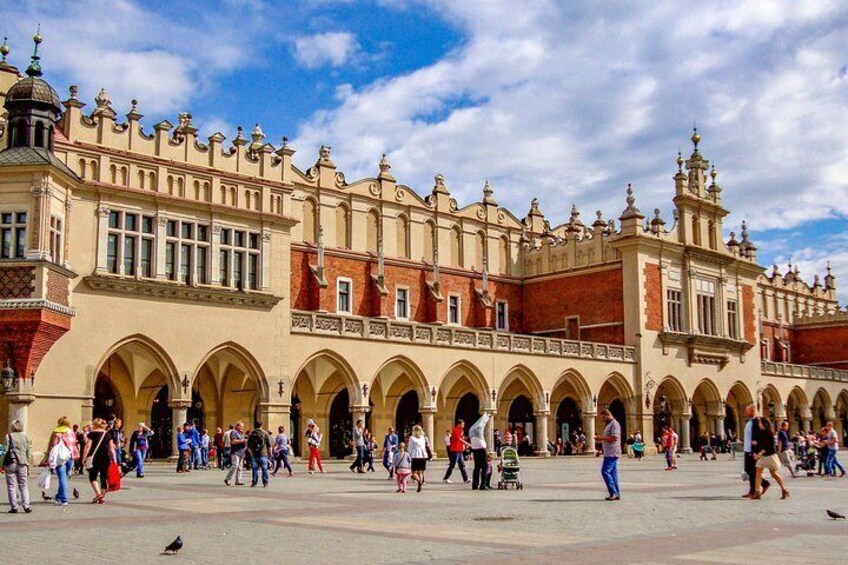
(694, 515)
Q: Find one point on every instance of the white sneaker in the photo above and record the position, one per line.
(448, 481)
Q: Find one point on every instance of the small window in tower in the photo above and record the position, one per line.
(39, 135)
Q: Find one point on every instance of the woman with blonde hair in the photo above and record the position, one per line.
(61, 455)
(98, 454)
(419, 452)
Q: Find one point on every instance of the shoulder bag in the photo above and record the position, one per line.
(89, 461)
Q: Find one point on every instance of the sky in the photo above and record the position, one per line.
(564, 101)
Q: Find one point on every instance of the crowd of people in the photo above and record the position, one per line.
(101, 449)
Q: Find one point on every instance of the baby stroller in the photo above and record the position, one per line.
(510, 469)
(808, 462)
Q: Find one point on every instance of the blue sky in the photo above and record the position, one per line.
(560, 100)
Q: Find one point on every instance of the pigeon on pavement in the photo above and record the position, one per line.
(835, 515)
(174, 546)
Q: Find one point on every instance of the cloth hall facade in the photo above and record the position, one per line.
(160, 277)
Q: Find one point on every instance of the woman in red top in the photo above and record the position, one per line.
(457, 446)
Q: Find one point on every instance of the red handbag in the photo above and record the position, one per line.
(113, 477)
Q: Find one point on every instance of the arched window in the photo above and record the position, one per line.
(342, 226)
(197, 190)
(39, 135)
(310, 220)
(141, 179)
(479, 250)
(373, 231)
(429, 241)
(82, 168)
(113, 173)
(152, 180)
(402, 236)
(456, 247)
(503, 256)
(125, 176)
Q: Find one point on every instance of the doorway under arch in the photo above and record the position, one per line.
(569, 419)
(521, 419)
(341, 425)
(161, 422)
(107, 400)
(468, 409)
(619, 412)
(407, 414)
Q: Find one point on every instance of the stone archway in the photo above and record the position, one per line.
(671, 408)
(737, 399)
(318, 385)
(822, 409)
(617, 396)
(841, 416)
(461, 380)
(707, 413)
(398, 394)
(798, 411)
(519, 400)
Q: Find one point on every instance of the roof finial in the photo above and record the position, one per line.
(696, 137)
(4, 49)
(34, 69)
(679, 161)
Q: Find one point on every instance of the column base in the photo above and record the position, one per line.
(686, 450)
(542, 454)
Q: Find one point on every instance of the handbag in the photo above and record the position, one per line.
(113, 477)
(44, 479)
(59, 454)
(10, 458)
(89, 461)
(429, 450)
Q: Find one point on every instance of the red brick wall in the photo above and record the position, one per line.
(771, 331)
(749, 314)
(597, 298)
(17, 282)
(653, 297)
(32, 333)
(57, 288)
(423, 307)
(823, 345)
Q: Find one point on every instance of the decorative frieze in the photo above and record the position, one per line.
(466, 338)
(803, 371)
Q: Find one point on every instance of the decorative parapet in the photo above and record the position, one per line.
(430, 334)
(176, 291)
(36, 304)
(837, 317)
(705, 349)
(803, 371)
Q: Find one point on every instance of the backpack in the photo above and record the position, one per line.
(255, 442)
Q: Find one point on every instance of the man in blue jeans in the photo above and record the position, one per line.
(259, 446)
(139, 442)
(611, 443)
(831, 439)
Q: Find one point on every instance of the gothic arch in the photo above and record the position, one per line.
(248, 362)
(341, 365)
(412, 370)
(156, 351)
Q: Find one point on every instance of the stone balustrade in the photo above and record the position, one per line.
(803, 371)
(321, 323)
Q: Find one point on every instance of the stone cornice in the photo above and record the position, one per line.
(175, 291)
(706, 349)
(803, 371)
(36, 304)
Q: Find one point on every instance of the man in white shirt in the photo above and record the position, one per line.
(831, 439)
(477, 435)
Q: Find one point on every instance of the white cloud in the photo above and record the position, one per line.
(331, 48)
(163, 62)
(569, 102)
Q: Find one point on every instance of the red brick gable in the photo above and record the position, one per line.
(653, 297)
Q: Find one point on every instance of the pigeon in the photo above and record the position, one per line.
(835, 515)
(76, 493)
(45, 497)
(174, 546)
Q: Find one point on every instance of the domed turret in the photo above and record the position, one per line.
(34, 108)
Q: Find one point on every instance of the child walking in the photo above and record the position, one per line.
(403, 467)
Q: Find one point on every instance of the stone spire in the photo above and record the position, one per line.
(487, 194)
(439, 186)
(34, 69)
(631, 211)
(574, 223)
(829, 279)
(385, 169)
(657, 223)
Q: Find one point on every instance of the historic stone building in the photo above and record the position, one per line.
(162, 278)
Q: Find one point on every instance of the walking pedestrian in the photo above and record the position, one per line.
(139, 443)
(403, 467)
(259, 446)
(456, 446)
(218, 442)
(183, 449)
(228, 459)
(766, 457)
(783, 448)
(358, 443)
(205, 441)
(476, 433)
(667, 442)
(282, 449)
(419, 453)
(370, 446)
(117, 432)
(313, 440)
(63, 447)
(238, 446)
(611, 445)
(16, 463)
(831, 440)
(194, 436)
(390, 443)
(98, 455)
(750, 447)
